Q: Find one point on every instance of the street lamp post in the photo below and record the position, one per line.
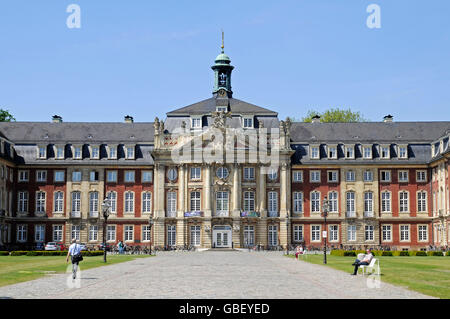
(325, 233)
(150, 224)
(106, 206)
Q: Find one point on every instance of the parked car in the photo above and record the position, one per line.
(39, 246)
(52, 246)
(108, 247)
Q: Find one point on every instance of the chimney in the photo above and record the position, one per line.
(388, 118)
(128, 119)
(315, 119)
(57, 119)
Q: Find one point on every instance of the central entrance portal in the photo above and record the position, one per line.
(222, 236)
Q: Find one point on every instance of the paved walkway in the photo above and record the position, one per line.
(208, 274)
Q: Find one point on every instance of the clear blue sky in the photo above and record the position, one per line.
(144, 58)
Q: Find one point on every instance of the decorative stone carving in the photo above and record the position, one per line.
(220, 118)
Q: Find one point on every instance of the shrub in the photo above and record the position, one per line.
(396, 253)
(404, 253)
(421, 253)
(448, 253)
(438, 253)
(337, 252)
(349, 253)
(31, 253)
(18, 253)
(387, 253)
(4, 253)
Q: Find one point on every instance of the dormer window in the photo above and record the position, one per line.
(350, 152)
(59, 152)
(402, 152)
(384, 152)
(95, 152)
(42, 152)
(332, 152)
(247, 122)
(129, 152)
(112, 152)
(315, 154)
(221, 109)
(196, 122)
(77, 154)
(367, 152)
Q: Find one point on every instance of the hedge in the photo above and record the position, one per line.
(49, 253)
(353, 253)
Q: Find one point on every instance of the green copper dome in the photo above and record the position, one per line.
(223, 57)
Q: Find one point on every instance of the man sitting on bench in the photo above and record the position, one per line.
(365, 261)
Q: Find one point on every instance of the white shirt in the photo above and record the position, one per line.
(74, 249)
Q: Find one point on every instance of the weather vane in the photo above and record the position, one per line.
(222, 40)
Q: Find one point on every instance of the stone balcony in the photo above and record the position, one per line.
(350, 214)
(221, 214)
(75, 214)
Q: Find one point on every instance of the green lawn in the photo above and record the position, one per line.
(427, 275)
(15, 269)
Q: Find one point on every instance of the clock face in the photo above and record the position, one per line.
(222, 92)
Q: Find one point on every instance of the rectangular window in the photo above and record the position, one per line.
(111, 176)
(403, 176)
(249, 235)
(59, 176)
(387, 232)
(40, 202)
(249, 201)
(171, 235)
(404, 205)
(368, 176)
(332, 152)
(422, 202)
(196, 122)
(385, 176)
(222, 202)
(23, 202)
(111, 233)
(128, 233)
(385, 202)
(298, 202)
(129, 202)
(315, 202)
(195, 173)
(272, 207)
(195, 235)
(129, 176)
(423, 232)
(39, 233)
(249, 173)
(351, 233)
(297, 176)
(334, 232)
(421, 176)
(41, 176)
(60, 152)
(77, 153)
(146, 235)
(93, 203)
(384, 152)
(171, 204)
(332, 176)
(298, 233)
(93, 176)
(349, 152)
(146, 202)
(95, 152)
(315, 176)
(23, 176)
(42, 152)
(248, 123)
(402, 152)
(367, 152)
(195, 202)
(351, 204)
(404, 232)
(76, 202)
(369, 230)
(350, 176)
(368, 202)
(315, 233)
(76, 176)
(59, 202)
(93, 233)
(57, 233)
(315, 153)
(22, 233)
(75, 233)
(130, 152)
(112, 152)
(333, 202)
(273, 235)
(147, 176)
(112, 197)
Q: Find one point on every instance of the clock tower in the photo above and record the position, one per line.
(222, 75)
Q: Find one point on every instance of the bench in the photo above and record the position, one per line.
(371, 267)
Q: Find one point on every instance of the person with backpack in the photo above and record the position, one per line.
(121, 246)
(75, 253)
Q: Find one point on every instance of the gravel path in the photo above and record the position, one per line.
(209, 274)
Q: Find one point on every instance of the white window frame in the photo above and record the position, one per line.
(403, 203)
(314, 151)
(129, 202)
(93, 233)
(352, 149)
(111, 233)
(75, 232)
(112, 152)
(422, 203)
(172, 174)
(23, 176)
(196, 173)
(297, 176)
(146, 233)
(22, 233)
(222, 172)
(272, 204)
(94, 151)
(57, 233)
(315, 202)
(22, 201)
(386, 233)
(112, 197)
(42, 152)
(39, 233)
(76, 154)
(316, 233)
(297, 204)
(222, 202)
(351, 233)
(419, 173)
(195, 201)
(76, 174)
(315, 173)
(333, 231)
(130, 152)
(58, 202)
(41, 202)
(350, 203)
(401, 176)
(171, 202)
(402, 151)
(248, 122)
(196, 122)
(249, 173)
(350, 176)
(109, 174)
(422, 232)
(335, 176)
(195, 235)
(41, 176)
(272, 235)
(297, 233)
(404, 229)
(333, 199)
(369, 233)
(332, 151)
(249, 201)
(368, 173)
(128, 233)
(75, 202)
(386, 203)
(367, 151)
(385, 151)
(171, 235)
(385, 172)
(59, 152)
(93, 202)
(146, 202)
(128, 174)
(56, 174)
(368, 202)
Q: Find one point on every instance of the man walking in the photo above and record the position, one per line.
(74, 250)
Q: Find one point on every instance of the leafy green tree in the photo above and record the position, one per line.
(335, 116)
(5, 116)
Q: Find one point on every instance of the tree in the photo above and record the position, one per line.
(5, 116)
(335, 116)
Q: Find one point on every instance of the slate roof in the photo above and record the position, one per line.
(370, 132)
(209, 105)
(77, 132)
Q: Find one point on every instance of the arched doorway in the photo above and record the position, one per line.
(222, 236)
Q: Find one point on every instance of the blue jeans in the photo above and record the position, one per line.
(359, 263)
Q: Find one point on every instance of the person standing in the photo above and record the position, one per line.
(120, 247)
(74, 252)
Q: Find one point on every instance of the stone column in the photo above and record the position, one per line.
(236, 191)
(207, 191)
(262, 192)
(181, 191)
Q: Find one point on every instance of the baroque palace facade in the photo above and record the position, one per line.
(226, 173)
